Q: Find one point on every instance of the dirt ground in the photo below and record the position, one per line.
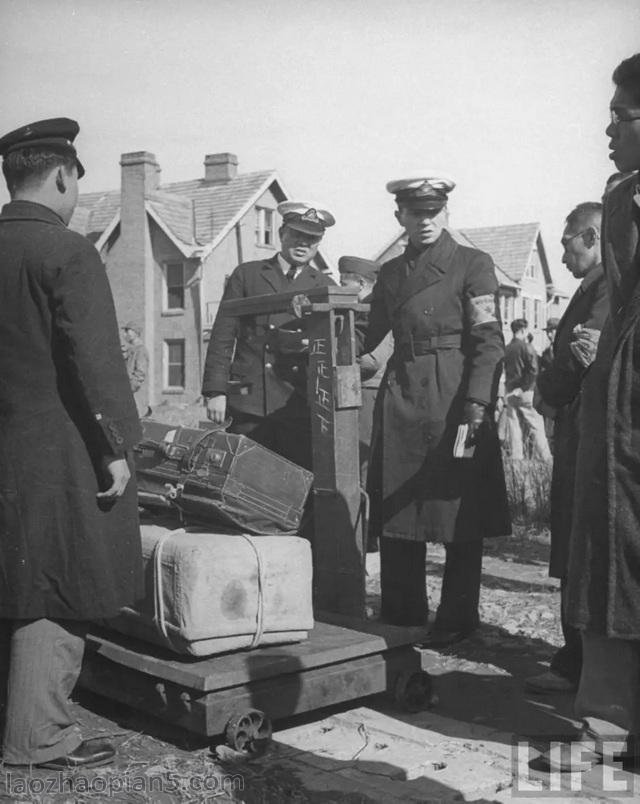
(478, 682)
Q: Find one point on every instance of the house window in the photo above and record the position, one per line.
(174, 286)
(264, 227)
(531, 270)
(174, 366)
(537, 314)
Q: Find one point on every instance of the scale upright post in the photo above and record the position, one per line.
(333, 390)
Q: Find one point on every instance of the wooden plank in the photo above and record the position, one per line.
(333, 295)
(279, 697)
(327, 644)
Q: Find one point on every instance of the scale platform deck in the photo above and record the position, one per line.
(335, 664)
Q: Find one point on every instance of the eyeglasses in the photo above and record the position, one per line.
(566, 240)
(624, 115)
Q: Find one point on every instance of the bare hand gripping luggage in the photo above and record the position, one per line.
(213, 476)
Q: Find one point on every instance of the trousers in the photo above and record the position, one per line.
(41, 662)
(403, 587)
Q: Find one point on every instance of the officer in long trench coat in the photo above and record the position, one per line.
(69, 536)
(439, 298)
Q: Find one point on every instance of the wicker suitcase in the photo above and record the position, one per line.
(215, 477)
(208, 593)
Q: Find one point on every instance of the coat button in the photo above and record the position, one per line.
(267, 365)
(267, 348)
(272, 326)
(119, 439)
(295, 368)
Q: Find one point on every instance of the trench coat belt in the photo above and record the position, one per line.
(409, 349)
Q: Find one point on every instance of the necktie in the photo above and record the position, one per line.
(291, 274)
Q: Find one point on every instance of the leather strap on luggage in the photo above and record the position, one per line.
(158, 589)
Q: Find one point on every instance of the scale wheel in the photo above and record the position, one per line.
(414, 690)
(249, 732)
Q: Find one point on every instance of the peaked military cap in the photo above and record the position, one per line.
(358, 265)
(306, 216)
(428, 191)
(55, 134)
(552, 323)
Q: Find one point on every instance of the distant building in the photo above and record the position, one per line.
(525, 285)
(169, 249)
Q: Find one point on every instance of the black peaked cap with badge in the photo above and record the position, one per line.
(56, 134)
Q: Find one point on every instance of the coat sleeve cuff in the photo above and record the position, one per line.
(121, 434)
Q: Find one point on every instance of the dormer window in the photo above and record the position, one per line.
(265, 235)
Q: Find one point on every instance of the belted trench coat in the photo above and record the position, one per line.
(441, 306)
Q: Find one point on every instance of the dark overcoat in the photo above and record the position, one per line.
(559, 383)
(441, 306)
(603, 591)
(247, 357)
(65, 401)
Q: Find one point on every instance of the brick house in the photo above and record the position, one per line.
(525, 286)
(168, 250)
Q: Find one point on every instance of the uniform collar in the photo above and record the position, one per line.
(30, 211)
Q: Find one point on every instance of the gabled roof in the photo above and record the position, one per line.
(193, 213)
(398, 244)
(510, 246)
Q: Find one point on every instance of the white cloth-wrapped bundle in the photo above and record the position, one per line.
(210, 593)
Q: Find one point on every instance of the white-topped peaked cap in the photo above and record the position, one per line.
(306, 216)
(424, 190)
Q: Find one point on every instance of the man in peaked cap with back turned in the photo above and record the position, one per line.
(255, 369)
(439, 300)
(69, 534)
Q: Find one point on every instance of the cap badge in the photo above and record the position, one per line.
(311, 216)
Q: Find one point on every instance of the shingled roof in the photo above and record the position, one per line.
(510, 246)
(399, 243)
(195, 212)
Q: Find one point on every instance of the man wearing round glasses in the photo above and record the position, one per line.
(603, 585)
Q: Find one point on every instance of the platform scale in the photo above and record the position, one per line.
(346, 656)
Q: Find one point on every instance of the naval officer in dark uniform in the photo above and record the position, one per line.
(255, 369)
(439, 299)
(69, 536)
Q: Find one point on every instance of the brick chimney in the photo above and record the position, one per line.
(131, 267)
(220, 168)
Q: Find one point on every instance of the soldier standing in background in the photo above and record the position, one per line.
(524, 423)
(439, 300)
(137, 359)
(70, 548)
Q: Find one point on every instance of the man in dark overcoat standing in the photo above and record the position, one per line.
(559, 383)
(255, 368)
(440, 301)
(69, 535)
(603, 585)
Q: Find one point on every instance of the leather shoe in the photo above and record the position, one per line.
(441, 638)
(89, 754)
(549, 682)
